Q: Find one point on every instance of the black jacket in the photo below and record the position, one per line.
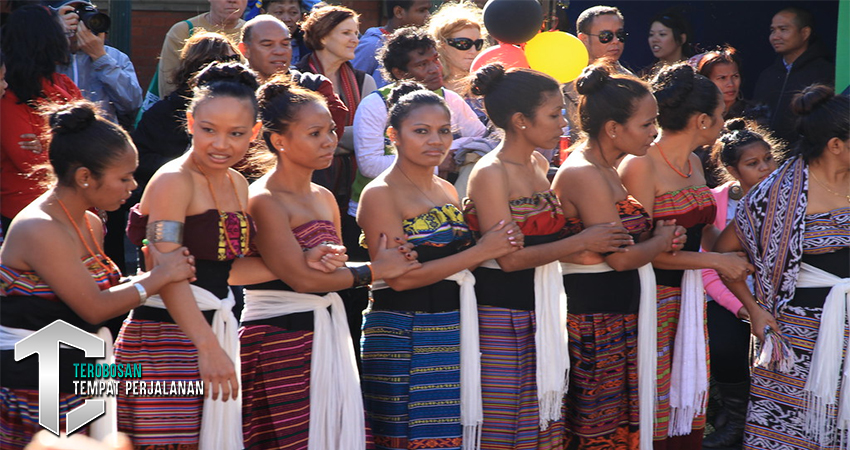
(776, 87)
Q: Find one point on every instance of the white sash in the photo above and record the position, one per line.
(471, 409)
(221, 422)
(647, 343)
(551, 339)
(689, 374)
(336, 403)
(103, 426)
(824, 372)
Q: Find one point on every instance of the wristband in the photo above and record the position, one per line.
(362, 275)
(143, 294)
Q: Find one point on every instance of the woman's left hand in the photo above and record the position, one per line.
(326, 257)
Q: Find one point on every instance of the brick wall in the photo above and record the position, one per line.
(149, 28)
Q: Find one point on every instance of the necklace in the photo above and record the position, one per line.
(222, 215)
(690, 167)
(106, 267)
(827, 188)
(417, 187)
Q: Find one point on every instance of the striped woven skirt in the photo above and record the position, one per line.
(669, 305)
(165, 354)
(509, 383)
(602, 402)
(411, 379)
(19, 415)
(275, 387)
(777, 412)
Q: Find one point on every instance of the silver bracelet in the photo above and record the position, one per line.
(143, 294)
(164, 231)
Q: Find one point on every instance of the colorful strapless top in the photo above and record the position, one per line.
(827, 232)
(690, 206)
(204, 235)
(28, 283)
(316, 232)
(437, 227)
(537, 215)
(633, 216)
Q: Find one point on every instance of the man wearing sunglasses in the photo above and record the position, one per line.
(601, 30)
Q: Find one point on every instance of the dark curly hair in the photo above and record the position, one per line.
(822, 115)
(682, 93)
(395, 53)
(220, 79)
(507, 92)
(80, 137)
(33, 43)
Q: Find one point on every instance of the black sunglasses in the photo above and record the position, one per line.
(464, 44)
(607, 36)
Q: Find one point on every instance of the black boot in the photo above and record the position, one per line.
(735, 403)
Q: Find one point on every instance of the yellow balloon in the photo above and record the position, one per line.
(557, 54)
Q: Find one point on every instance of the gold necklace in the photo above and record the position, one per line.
(417, 187)
(222, 215)
(847, 196)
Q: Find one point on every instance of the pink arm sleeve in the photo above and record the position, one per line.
(719, 292)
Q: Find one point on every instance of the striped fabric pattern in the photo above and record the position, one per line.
(602, 403)
(166, 354)
(411, 379)
(19, 415)
(315, 232)
(826, 232)
(275, 387)
(509, 384)
(27, 282)
(690, 206)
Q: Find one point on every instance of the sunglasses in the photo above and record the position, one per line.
(464, 44)
(607, 36)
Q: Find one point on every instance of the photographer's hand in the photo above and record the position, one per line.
(92, 44)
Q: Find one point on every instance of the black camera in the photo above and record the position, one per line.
(95, 20)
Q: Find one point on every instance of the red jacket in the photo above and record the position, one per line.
(18, 186)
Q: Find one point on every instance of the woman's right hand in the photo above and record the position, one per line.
(759, 319)
(734, 266)
(218, 373)
(606, 238)
(179, 264)
(502, 239)
(326, 257)
(393, 262)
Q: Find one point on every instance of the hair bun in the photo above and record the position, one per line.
(487, 78)
(279, 85)
(225, 72)
(673, 85)
(736, 124)
(71, 117)
(810, 99)
(592, 79)
(403, 88)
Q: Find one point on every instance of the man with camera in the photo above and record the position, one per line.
(104, 74)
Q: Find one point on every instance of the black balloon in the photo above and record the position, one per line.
(513, 21)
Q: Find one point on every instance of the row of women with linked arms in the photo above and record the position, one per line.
(498, 358)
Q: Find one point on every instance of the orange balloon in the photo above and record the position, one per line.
(557, 54)
(506, 54)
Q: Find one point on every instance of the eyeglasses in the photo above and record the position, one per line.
(607, 36)
(464, 44)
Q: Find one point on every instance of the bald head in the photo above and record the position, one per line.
(267, 45)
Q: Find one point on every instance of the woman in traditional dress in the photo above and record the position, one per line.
(420, 353)
(198, 200)
(296, 393)
(605, 292)
(522, 307)
(52, 265)
(746, 152)
(669, 182)
(795, 226)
